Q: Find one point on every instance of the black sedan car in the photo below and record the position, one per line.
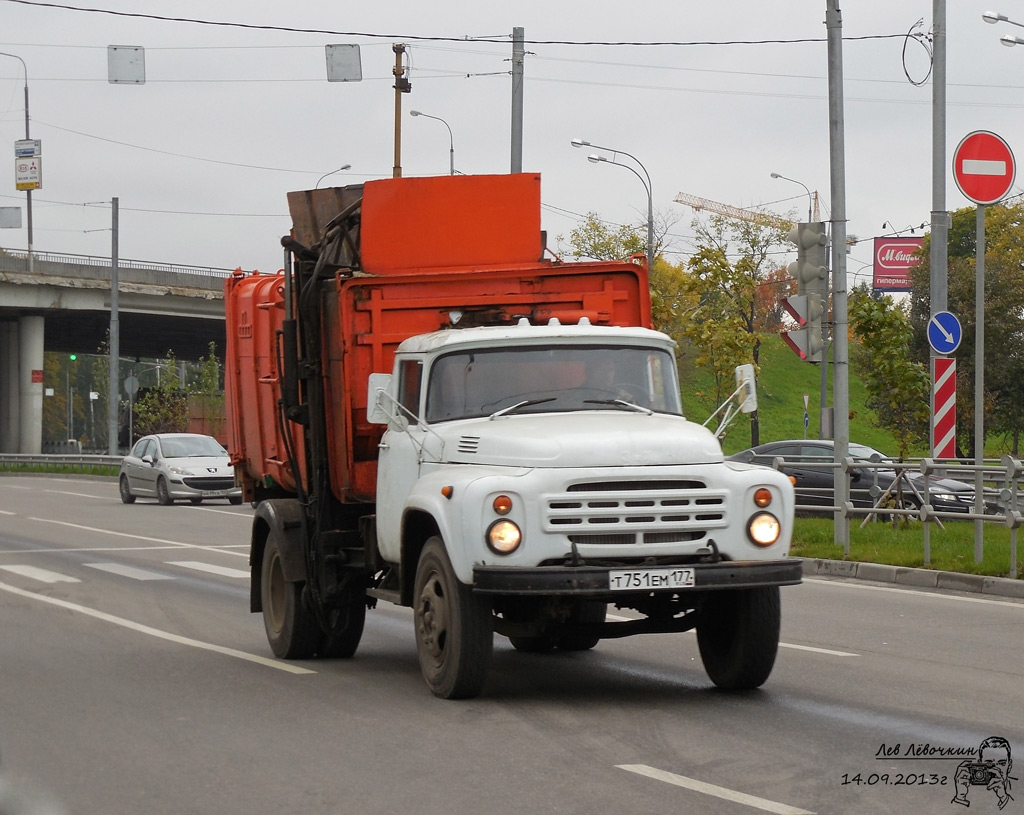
(808, 460)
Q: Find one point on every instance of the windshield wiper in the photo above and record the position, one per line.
(617, 402)
(517, 405)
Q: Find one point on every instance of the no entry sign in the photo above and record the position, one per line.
(983, 167)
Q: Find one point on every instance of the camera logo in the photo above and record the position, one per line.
(990, 771)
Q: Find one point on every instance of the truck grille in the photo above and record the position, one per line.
(617, 513)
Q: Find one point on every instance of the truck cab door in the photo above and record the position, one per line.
(398, 463)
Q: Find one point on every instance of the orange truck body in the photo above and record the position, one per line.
(433, 253)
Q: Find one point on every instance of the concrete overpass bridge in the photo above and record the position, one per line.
(63, 304)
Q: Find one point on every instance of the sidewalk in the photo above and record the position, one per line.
(923, 578)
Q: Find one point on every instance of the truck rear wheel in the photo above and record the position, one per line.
(454, 629)
(738, 636)
(343, 639)
(292, 631)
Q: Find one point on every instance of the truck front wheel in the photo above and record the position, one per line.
(454, 629)
(292, 631)
(738, 636)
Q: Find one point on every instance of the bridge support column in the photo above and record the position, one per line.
(10, 402)
(30, 382)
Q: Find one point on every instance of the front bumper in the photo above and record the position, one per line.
(592, 581)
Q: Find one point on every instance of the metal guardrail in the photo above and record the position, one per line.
(1003, 494)
(88, 267)
(74, 461)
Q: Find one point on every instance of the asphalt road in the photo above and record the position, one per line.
(134, 681)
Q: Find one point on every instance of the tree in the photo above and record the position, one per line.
(897, 388)
(1004, 317)
(725, 327)
(163, 409)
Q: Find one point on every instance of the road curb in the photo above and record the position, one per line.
(925, 578)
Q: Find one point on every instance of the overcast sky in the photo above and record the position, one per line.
(231, 118)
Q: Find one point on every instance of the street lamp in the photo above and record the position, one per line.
(993, 17)
(28, 193)
(596, 159)
(809, 198)
(332, 172)
(451, 139)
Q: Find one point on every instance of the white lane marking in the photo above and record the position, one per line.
(140, 537)
(199, 566)
(77, 494)
(5, 512)
(928, 592)
(712, 789)
(129, 571)
(156, 632)
(242, 515)
(175, 547)
(811, 648)
(43, 575)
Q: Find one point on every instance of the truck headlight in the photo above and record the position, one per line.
(504, 537)
(764, 529)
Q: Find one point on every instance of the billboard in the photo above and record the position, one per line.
(894, 258)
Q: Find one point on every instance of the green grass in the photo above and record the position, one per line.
(952, 548)
(60, 469)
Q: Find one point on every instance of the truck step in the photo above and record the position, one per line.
(388, 595)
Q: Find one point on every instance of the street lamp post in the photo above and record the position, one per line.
(645, 179)
(810, 199)
(451, 139)
(332, 172)
(28, 193)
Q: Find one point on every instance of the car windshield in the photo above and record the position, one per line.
(185, 446)
(485, 382)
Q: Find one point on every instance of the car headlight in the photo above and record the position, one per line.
(179, 470)
(504, 537)
(764, 529)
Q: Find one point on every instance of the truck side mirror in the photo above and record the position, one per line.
(376, 396)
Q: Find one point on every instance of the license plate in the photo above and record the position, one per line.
(214, 493)
(651, 579)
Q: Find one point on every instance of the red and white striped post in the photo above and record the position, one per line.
(944, 408)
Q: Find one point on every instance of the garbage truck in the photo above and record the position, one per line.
(428, 408)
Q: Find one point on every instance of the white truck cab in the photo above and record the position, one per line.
(555, 472)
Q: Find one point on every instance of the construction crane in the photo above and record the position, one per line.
(729, 211)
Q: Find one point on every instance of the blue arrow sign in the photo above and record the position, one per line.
(944, 332)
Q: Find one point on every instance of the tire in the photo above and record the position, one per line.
(293, 633)
(125, 490)
(585, 611)
(236, 500)
(454, 629)
(162, 494)
(195, 500)
(738, 636)
(343, 640)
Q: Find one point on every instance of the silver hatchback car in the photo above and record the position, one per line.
(173, 466)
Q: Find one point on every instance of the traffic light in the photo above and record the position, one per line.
(809, 304)
(72, 357)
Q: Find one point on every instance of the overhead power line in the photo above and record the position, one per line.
(421, 38)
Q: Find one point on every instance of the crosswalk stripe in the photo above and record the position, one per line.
(199, 566)
(43, 575)
(129, 571)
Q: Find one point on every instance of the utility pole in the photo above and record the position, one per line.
(940, 218)
(113, 372)
(402, 85)
(840, 340)
(518, 58)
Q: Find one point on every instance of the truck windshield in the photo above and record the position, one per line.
(481, 382)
